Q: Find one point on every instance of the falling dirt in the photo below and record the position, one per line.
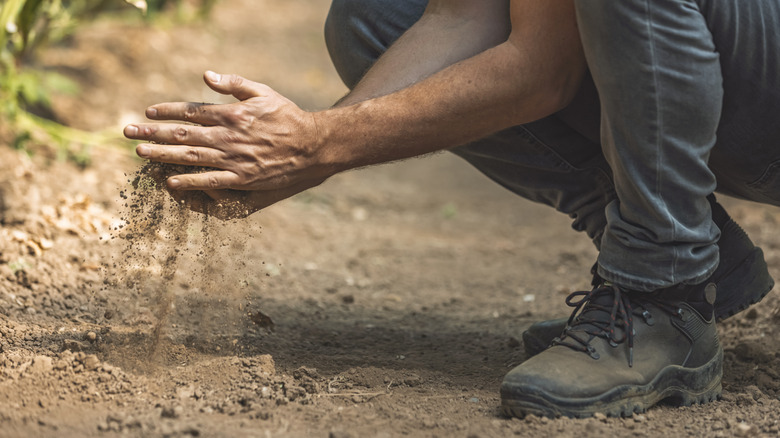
(386, 302)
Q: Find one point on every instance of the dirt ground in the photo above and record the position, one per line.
(387, 302)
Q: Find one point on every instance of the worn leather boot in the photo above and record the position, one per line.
(742, 279)
(622, 352)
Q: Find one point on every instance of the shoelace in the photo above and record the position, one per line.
(596, 315)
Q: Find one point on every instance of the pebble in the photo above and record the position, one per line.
(744, 429)
(172, 411)
(91, 336)
(91, 362)
(41, 364)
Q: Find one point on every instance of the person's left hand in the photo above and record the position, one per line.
(263, 144)
(236, 204)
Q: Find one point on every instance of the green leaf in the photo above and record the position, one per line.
(21, 140)
(27, 18)
(56, 82)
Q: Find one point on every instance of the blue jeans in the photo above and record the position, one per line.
(649, 237)
(690, 99)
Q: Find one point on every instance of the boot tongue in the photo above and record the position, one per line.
(596, 315)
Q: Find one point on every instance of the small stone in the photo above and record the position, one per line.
(186, 392)
(91, 362)
(599, 416)
(41, 364)
(91, 336)
(744, 429)
(413, 380)
(171, 411)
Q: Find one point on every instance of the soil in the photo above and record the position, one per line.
(386, 302)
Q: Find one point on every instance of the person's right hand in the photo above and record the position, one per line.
(258, 151)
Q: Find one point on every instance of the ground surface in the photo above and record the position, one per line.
(387, 302)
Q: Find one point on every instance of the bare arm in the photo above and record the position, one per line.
(449, 31)
(267, 145)
(534, 73)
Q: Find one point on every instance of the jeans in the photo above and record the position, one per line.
(709, 70)
(688, 90)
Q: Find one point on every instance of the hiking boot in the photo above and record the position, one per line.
(622, 352)
(742, 279)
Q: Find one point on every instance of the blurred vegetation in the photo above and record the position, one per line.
(26, 26)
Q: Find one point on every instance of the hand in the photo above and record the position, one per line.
(235, 204)
(262, 143)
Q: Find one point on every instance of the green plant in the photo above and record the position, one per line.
(25, 27)
(25, 89)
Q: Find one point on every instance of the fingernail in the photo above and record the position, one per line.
(213, 77)
(143, 150)
(131, 130)
(174, 183)
(151, 112)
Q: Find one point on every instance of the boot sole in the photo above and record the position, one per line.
(675, 384)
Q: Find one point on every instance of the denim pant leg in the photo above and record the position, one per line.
(545, 161)
(746, 157)
(658, 75)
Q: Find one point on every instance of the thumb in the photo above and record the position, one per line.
(234, 85)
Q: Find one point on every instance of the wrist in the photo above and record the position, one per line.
(333, 155)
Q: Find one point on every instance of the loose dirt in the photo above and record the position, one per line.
(387, 302)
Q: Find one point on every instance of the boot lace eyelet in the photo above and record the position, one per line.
(609, 312)
(648, 317)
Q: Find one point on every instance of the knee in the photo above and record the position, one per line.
(357, 32)
(346, 45)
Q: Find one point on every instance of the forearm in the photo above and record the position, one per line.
(266, 145)
(516, 82)
(449, 31)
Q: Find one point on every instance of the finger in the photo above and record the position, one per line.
(204, 181)
(171, 133)
(181, 154)
(206, 114)
(236, 86)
